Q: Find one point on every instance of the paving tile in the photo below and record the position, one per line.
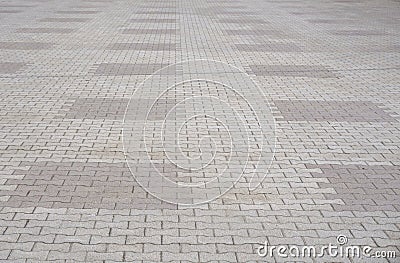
(86, 6)
(9, 11)
(46, 30)
(12, 5)
(293, 71)
(10, 67)
(89, 189)
(351, 185)
(118, 69)
(64, 19)
(85, 12)
(242, 20)
(235, 12)
(25, 45)
(153, 20)
(328, 70)
(269, 47)
(143, 46)
(57, 255)
(137, 31)
(330, 21)
(161, 12)
(339, 111)
(359, 33)
(252, 32)
(18, 254)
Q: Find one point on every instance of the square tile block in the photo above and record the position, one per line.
(25, 45)
(96, 108)
(330, 21)
(359, 32)
(80, 185)
(64, 19)
(153, 20)
(361, 187)
(10, 11)
(234, 12)
(46, 30)
(143, 46)
(161, 12)
(253, 32)
(242, 20)
(12, 6)
(269, 47)
(293, 71)
(143, 31)
(10, 67)
(119, 69)
(77, 12)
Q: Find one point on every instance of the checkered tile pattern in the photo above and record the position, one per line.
(329, 70)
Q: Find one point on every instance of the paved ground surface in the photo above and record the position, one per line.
(329, 69)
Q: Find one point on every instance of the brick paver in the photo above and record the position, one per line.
(70, 70)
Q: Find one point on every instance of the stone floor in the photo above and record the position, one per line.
(135, 130)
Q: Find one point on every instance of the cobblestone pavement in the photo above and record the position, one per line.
(329, 70)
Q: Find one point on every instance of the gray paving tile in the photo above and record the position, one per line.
(269, 47)
(161, 12)
(235, 12)
(46, 30)
(96, 1)
(331, 21)
(10, 11)
(253, 32)
(143, 46)
(339, 111)
(84, 12)
(138, 31)
(153, 20)
(10, 67)
(329, 69)
(87, 6)
(12, 5)
(118, 69)
(242, 20)
(159, 5)
(98, 108)
(293, 71)
(25, 45)
(159, 112)
(64, 19)
(360, 32)
(79, 185)
(361, 187)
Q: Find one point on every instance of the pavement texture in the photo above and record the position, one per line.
(324, 76)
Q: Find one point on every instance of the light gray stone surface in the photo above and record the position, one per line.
(329, 69)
